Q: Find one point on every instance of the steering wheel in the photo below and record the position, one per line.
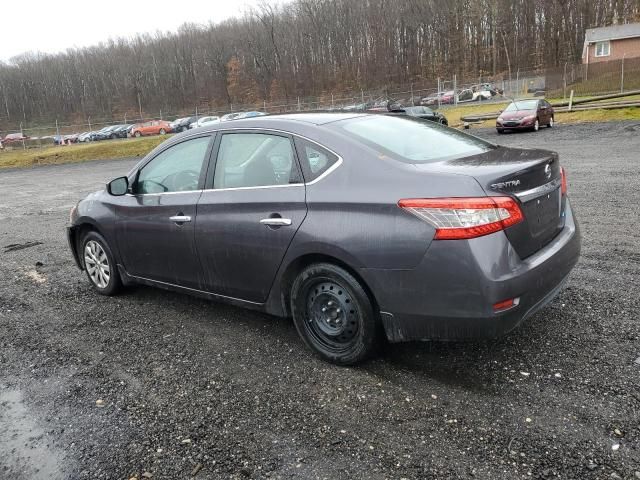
(153, 182)
(183, 181)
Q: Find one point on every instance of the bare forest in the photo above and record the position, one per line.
(301, 49)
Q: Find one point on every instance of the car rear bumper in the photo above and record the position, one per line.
(451, 293)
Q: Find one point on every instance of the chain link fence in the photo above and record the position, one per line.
(554, 83)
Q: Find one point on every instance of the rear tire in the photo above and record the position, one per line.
(334, 315)
(137, 134)
(550, 124)
(163, 131)
(99, 264)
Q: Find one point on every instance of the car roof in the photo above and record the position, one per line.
(304, 124)
(309, 118)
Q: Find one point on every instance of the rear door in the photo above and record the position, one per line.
(155, 227)
(253, 205)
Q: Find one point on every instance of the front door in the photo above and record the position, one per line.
(155, 227)
(248, 216)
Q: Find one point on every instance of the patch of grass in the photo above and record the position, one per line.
(104, 150)
(454, 114)
(600, 115)
(621, 99)
(583, 116)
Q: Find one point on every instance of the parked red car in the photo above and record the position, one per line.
(445, 98)
(154, 127)
(525, 115)
(14, 137)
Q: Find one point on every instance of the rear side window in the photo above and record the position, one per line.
(411, 140)
(314, 159)
(255, 160)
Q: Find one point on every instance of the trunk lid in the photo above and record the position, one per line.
(531, 176)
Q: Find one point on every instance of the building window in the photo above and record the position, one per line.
(602, 49)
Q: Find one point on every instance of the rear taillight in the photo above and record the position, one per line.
(459, 218)
(563, 177)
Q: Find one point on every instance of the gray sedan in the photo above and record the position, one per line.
(362, 227)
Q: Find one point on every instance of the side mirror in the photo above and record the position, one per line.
(118, 187)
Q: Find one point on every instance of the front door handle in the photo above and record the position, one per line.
(276, 222)
(180, 218)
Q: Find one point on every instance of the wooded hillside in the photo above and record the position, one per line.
(307, 47)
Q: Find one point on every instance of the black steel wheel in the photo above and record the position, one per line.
(334, 315)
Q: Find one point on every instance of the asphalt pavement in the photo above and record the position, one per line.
(152, 384)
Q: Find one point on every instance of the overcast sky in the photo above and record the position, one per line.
(54, 25)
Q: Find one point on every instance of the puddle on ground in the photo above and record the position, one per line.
(24, 447)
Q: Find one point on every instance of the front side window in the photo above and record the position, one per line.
(177, 169)
(255, 160)
(411, 140)
(602, 49)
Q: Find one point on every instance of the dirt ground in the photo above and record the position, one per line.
(164, 385)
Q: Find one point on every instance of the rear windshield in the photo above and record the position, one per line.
(412, 140)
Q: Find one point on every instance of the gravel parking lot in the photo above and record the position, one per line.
(159, 384)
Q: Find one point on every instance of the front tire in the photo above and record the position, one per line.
(100, 265)
(162, 131)
(334, 315)
(550, 124)
(500, 130)
(137, 134)
(536, 125)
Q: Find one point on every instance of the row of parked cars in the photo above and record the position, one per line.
(152, 127)
(474, 93)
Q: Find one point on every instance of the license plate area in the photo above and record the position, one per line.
(543, 213)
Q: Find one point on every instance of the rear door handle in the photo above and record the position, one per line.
(180, 218)
(276, 222)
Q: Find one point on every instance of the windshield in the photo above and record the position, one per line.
(522, 105)
(412, 140)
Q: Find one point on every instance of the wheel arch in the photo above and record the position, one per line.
(303, 261)
(78, 231)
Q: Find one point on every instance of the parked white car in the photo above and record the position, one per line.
(202, 121)
(469, 95)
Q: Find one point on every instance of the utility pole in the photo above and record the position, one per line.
(24, 147)
(140, 107)
(455, 89)
(622, 75)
